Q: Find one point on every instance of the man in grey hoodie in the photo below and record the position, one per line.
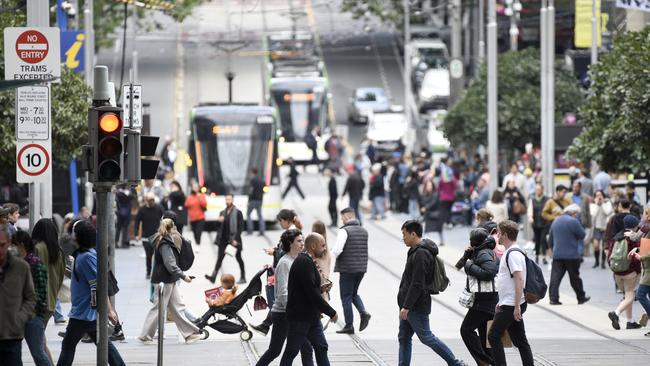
(414, 299)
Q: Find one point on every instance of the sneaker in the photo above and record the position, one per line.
(117, 335)
(555, 302)
(647, 334)
(193, 338)
(145, 340)
(261, 328)
(365, 318)
(587, 298)
(348, 329)
(614, 318)
(644, 320)
(86, 339)
(60, 321)
(632, 325)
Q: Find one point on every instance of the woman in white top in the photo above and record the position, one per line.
(600, 209)
(292, 244)
(497, 207)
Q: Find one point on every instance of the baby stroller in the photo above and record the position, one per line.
(232, 323)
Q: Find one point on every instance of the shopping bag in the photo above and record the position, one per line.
(505, 337)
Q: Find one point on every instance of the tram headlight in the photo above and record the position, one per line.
(279, 162)
(265, 189)
(204, 190)
(281, 139)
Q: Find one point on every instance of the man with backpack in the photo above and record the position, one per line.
(627, 271)
(414, 295)
(511, 280)
(566, 237)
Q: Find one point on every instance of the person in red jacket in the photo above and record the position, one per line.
(196, 205)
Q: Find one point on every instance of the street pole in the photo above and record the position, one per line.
(40, 193)
(514, 6)
(481, 29)
(101, 97)
(456, 47)
(89, 53)
(594, 32)
(550, 91)
(407, 65)
(548, 190)
(493, 125)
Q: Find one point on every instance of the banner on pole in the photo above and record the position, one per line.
(643, 5)
(582, 33)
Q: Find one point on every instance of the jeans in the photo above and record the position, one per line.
(354, 204)
(73, 334)
(257, 206)
(378, 207)
(541, 245)
(298, 333)
(58, 312)
(643, 297)
(35, 338)
(197, 230)
(413, 208)
(476, 320)
(278, 336)
(349, 286)
(561, 266)
(11, 352)
(504, 320)
(418, 323)
(122, 229)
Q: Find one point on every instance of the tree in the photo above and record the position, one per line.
(69, 110)
(616, 114)
(518, 102)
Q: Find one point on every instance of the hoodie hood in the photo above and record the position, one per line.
(429, 245)
(488, 243)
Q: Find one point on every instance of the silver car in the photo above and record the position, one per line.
(365, 101)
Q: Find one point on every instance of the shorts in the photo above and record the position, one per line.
(598, 234)
(628, 282)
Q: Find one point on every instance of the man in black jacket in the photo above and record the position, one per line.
(354, 187)
(334, 194)
(232, 226)
(414, 299)
(305, 304)
(255, 198)
(147, 222)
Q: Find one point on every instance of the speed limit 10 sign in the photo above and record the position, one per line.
(33, 161)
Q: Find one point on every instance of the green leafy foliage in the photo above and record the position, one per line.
(616, 114)
(518, 102)
(70, 102)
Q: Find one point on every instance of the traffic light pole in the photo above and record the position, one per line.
(103, 221)
(492, 121)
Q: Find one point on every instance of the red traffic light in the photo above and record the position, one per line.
(109, 122)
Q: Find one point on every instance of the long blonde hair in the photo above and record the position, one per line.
(167, 227)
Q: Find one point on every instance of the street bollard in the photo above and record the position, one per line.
(161, 323)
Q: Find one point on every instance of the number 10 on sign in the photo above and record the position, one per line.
(33, 161)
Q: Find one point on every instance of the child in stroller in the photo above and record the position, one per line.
(232, 323)
(224, 294)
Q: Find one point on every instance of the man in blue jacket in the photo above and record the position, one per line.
(566, 238)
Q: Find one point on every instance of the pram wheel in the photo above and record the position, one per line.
(205, 334)
(245, 335)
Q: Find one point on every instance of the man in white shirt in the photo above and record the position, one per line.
(512, 303)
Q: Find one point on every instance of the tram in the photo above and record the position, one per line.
(226, 142)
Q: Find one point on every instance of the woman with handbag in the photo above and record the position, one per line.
(481, 268)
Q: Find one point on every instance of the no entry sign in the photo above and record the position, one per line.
(32, 46)
(32, 53)
(33, 161)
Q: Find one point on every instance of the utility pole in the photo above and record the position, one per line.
(594, 31)
(481, 30)
(407, 65)
(89, 56)
(456, 66)
(547, 41)
(493, 125)
(543, 11)
(513, 9)
(40, 193)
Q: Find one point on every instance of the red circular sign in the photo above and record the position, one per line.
(37, 160)
(32, 46)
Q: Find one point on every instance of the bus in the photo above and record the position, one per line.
(301, 104)
(226, 142)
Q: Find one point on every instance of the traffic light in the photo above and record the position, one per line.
(106, 138)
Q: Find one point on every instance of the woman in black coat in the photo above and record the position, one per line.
(481, 268)
(430, 209)
(176, 203)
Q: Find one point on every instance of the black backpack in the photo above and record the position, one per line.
(535, 286)
(186, 257)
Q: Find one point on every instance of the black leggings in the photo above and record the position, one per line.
(197, 230)
(222, 255)
(540, 240)
(476, 320)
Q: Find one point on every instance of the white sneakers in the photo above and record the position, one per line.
(193, 338)
(145, 340)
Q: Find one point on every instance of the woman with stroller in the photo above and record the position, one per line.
(481, 268)
(167, 272)
(292, 244)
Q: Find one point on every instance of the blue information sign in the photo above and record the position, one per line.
(72, 50)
